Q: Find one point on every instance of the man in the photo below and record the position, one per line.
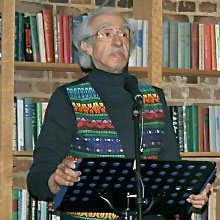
(93, 116)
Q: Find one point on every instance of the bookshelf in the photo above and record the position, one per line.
(9, 160)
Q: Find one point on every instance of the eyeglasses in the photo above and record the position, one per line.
(107, 34)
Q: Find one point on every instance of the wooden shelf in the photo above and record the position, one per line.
(140, 72)
(190, 72)
(23, 153)
(200, 154)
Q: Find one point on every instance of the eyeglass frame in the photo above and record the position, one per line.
(109, 28)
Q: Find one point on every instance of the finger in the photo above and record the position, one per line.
(69, 163)
(66, 178)
(197, 203)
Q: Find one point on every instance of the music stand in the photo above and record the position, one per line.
(108, 185)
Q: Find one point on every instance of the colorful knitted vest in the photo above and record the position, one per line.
(96, 136)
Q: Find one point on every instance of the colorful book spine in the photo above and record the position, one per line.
(34, 38)
(48, 33)
(60, 38)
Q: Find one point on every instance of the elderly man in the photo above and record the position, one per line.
(93, 116)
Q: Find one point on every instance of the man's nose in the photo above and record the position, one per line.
(116, 40)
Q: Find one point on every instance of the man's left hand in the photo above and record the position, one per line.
(198, 201)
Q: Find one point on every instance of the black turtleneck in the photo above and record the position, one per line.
(118, 102)
(59, 128)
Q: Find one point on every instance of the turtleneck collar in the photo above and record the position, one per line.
(102, 77)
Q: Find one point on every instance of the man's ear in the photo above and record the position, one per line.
(86, 47)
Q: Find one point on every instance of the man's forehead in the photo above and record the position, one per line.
(108, 20)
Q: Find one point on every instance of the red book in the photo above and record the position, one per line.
(213, 47)
(60, 38)
(66, 37)
(48, 33)
(207, 47)
(195, 45)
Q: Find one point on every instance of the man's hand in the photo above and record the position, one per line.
(64, 175)
(198, 201)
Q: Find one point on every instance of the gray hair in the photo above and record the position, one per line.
(84, 30)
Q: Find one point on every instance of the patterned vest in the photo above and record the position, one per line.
(96, 136)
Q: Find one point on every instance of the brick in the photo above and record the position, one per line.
(209, 81)
(22, 87)
(186, 6)
(30, 74)
(195, 93)
(177, 93)
(169, 5)
(207, 7)
(59, 75)
(217, 94)
(43, 87)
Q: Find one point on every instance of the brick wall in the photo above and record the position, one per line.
(192, 90)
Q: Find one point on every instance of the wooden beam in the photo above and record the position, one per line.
(152, 11)
(6, 108)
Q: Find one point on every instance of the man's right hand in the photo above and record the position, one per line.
(65, 175)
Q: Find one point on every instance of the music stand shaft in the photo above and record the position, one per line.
(137, 106)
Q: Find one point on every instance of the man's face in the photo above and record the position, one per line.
(110, 54)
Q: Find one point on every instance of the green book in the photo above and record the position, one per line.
(16, 35)
(166, 31)
(192, 128)
(15, 204)
(181, 44)
(34, 38)
(21, 45)
(173, 46)
(187, 46)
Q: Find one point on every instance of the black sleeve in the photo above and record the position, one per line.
(169, 149)
(56, 136)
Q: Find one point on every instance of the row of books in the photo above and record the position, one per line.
(28, 119)
(48, 37)
(197, 128)
(191, 45)
(26, 207)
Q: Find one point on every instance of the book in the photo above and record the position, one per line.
(55, 39)
(195, 45)
(48, 33)
(145, 43)
(28, 125)
(174, 45)
(60, 38)
(66, 39)
(213, 47)
(21, 38)
(16, 35)
(166, 43)
(207, 47)
(28, 42)
(187, 46)
(34, 38)
(201, 47)
(20, 123)
(41, 39)
(139, 43)
(212, 129)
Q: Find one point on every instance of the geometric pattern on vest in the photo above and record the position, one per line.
(96, 135)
